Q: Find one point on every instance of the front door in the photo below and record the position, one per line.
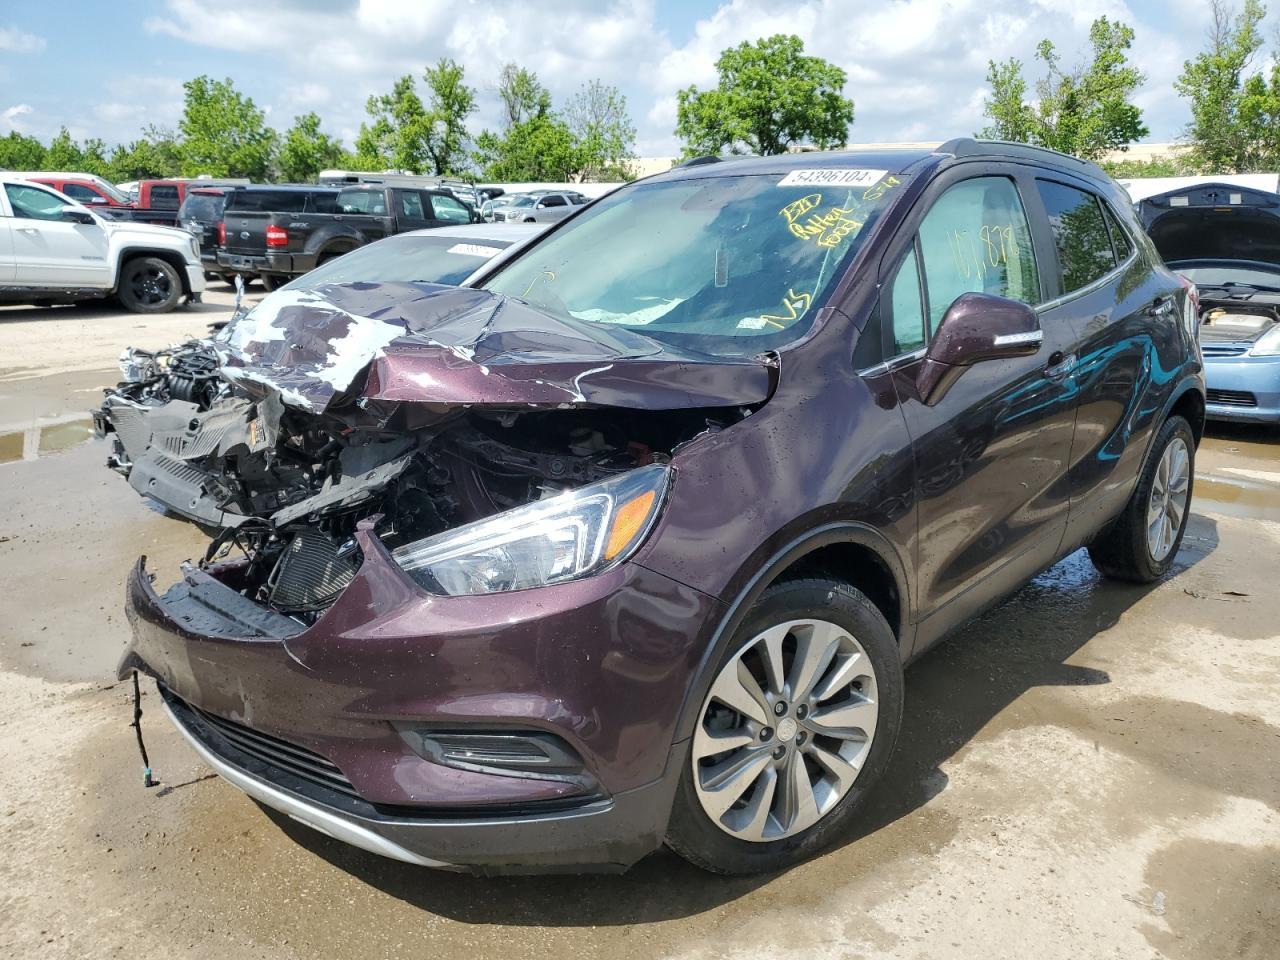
(991, 454)
(50, 250)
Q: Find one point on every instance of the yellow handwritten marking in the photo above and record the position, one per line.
(798, 208)
(551, 278)
(878, 190)
(796, 305)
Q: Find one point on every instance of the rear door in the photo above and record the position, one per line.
(1118, 304)
(50, 250)
(6, 242)
(412, 210)
(991, 453)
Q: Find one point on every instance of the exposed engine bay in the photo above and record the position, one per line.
(1235, 321)
(280, 483)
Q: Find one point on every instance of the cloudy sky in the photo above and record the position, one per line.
(916, 67)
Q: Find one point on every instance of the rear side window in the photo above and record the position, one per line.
(371, 202)
(411, 205)
(1079, 232)
(202, 206)
(164, 197)
(1119, 238)
(272, 201)
(976, 239)
(322, 203)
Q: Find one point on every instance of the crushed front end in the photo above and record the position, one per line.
(418, 622)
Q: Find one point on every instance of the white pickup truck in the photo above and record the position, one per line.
(53, 250)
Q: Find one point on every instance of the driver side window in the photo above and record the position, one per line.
(34, 203)
(975, 239)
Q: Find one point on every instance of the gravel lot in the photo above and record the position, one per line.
(1091, 770)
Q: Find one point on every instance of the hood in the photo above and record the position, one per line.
(146, 231)
(430, 344)
(1214, 221)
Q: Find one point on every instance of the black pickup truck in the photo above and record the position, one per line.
(259, 239)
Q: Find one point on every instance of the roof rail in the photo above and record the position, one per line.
(971, 147)
(698, 162)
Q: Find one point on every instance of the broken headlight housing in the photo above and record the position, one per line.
(565, 537)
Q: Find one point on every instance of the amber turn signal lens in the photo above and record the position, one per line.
(628, 522)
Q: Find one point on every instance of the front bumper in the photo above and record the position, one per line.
(602, 663)
(1243, 389)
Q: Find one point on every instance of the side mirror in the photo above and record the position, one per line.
(96, 200)
(976, 327)
(539, 205)
(76, 214)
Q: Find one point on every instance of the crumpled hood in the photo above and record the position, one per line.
(457, 346)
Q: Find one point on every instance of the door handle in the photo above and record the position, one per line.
(28, 229)
(1060, 365)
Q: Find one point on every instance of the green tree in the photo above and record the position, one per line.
(1228, 108)
(155, 154)
(603, 132)
(452, 101)
(223, 132)
(406, 134)
(539, 149)
(64, 153)
(770, 96)
(522, 95)
(21, 152)
(1087, 111)
(306, 150)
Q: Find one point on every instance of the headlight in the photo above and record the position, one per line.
(566, 537)
(1267, 345)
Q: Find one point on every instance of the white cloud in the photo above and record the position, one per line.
(9, 119)
(13, 40)
(916, 68)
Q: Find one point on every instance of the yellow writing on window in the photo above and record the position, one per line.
(798, 208)
(878, 190)
(976, 252)
(794, 306)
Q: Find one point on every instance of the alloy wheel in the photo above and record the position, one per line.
(1168, 501)
(150, 285)
(785, 730)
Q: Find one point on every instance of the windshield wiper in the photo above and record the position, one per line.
(1246, 290)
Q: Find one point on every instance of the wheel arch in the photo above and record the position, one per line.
(1189, 404)
(852, 552)
(171, 257)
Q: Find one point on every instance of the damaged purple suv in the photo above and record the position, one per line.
(629, 542)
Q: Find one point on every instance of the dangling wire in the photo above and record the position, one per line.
(147, 780)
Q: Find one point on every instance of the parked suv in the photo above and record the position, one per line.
(537, 207)
(53, 250)
(631, 542)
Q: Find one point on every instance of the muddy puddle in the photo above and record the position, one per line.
(1237, 497)
(40, 439)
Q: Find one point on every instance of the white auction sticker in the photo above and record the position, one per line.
(832, 177)
(475, 250)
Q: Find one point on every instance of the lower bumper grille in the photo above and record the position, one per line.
(299, 761)
(1231, 398)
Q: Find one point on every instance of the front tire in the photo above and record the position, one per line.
(149, 285)
(799, 723)
(1141, 544)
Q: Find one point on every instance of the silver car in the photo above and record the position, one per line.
(537, 207)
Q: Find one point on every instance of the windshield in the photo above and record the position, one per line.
(726, 265)
(115, 193)
(406, 259)
(202, 206)
(517, 202)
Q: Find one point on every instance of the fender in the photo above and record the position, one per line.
(174, 258)
(322, 237)
(721, 633)
(1188, 382)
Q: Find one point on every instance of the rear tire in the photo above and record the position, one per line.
(1141, 544)
(271, 281)
(149, 285)
(809, 742)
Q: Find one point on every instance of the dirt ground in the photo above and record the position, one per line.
(1091, 770)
